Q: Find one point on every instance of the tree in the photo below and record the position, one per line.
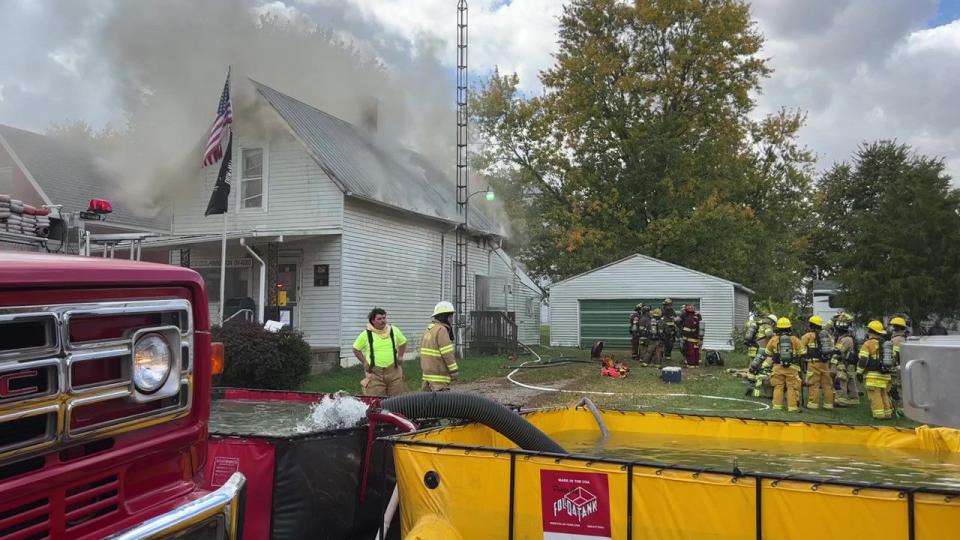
(898, 221)
(644, 129)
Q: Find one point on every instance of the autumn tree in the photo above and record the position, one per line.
(643, 141)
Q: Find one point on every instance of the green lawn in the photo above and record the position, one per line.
(348, 379)
(642, 389)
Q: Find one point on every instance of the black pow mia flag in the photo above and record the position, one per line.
(220, 197)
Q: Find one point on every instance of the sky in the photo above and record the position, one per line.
(862, 70)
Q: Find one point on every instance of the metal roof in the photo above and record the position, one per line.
(68, 175)
(367, 167)
(736, 285)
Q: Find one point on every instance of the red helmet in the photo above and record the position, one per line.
(689, 308)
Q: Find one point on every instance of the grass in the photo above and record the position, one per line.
(348, 379)
(642, 389)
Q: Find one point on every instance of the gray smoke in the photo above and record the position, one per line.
(167, 62)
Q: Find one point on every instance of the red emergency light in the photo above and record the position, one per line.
(100, 206)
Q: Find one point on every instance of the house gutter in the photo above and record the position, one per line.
(263, 280)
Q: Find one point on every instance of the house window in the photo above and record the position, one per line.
(251, 178)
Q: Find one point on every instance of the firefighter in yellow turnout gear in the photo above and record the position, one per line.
(437, 360)
(848, 392)
(875, 363)
(898, 335)
(820, 356)
(784, 351)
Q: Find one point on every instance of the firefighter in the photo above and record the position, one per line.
(635, 324)
(750, 336)
(875, 362)
(690, 332)
(757, 333)
(380, 349)
(654, 354)
(784, 352)
(669, 327)
(820, 355)
(848, 392)
(437, 361)
(898, 334)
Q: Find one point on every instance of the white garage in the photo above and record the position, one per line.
(597, 304)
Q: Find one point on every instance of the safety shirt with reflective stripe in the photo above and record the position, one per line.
(382, 352)
(437, 360)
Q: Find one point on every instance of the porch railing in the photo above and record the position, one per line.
(493, 330)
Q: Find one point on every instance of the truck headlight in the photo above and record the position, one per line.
(152, 362)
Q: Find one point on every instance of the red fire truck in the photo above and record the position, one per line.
(105, 375)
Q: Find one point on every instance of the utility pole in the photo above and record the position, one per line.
(460, 300)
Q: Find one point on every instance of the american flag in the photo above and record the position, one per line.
(213, 152)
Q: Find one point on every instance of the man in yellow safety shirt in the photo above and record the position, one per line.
(875, 363)
(380, 350)
(437, 360)
(784, 351)
(820, 354)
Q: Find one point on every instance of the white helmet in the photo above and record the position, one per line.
(443, 307)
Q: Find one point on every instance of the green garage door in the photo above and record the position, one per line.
(608, 320)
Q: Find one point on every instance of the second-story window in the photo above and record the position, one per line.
(251, 178)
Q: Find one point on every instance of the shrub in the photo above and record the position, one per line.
(256, 358)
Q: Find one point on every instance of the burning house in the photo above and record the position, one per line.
(327, 220)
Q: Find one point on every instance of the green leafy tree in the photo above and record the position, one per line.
(896, 222)
(643, 141)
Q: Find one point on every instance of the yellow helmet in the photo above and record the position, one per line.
(656, 312)
(876, 327)
(898, 321)
(783, 323)
(817, 320)
(667, 301)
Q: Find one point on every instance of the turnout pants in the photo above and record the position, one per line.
(819, 382)
(635, 346)
(786, 379)
(691, 351)
(384, 382)
(654, 352)
(878, 390)
(848, 392)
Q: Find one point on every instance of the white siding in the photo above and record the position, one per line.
(741, 310)
(299, 194)
(642, 277)
(390, 260)
(320, 306)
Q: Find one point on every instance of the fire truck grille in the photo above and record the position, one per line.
(91, 501)
(28, 521)
(66, 373)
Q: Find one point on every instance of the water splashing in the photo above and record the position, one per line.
(336, 412)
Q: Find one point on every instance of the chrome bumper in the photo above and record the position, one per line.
(220, 511)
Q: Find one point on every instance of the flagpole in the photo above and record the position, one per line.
(223, 240)
(223, 266)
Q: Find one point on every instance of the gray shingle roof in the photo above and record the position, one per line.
(69, 176)
(366, 167)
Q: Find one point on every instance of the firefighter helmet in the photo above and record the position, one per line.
(876, 327)
(639, 307)
(656, 312)
(689, 308)
(667, 301)
(772, 318)
(443, 307)
(898, 321)
(817, 320)
(783, 323)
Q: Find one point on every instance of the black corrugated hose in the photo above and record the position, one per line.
(477, 409)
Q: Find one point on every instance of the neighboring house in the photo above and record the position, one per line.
(43, 170)
(596, 305)
(344, 221)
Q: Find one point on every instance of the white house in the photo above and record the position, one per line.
(596, 305)
(345, 221)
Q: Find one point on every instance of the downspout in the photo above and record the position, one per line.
(263, 280)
